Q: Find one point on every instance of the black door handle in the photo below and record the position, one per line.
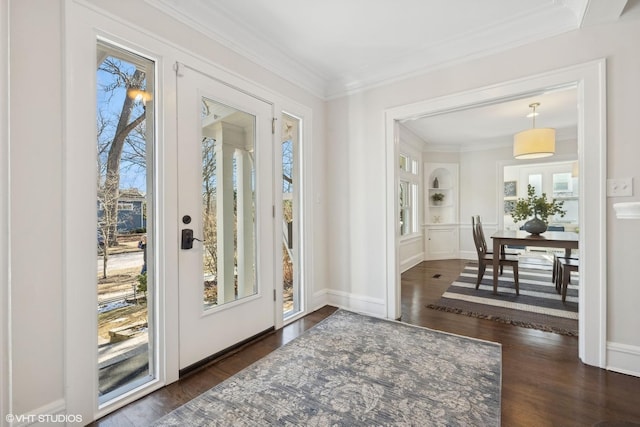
(187, 239)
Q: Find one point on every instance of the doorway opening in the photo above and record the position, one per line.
(589, 79)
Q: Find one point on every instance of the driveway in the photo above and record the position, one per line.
(121, 262)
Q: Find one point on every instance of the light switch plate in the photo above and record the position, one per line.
(620, 187)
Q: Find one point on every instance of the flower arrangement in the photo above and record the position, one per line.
(437, 197)
(536, 207)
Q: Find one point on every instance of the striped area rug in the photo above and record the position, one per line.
(538, 306)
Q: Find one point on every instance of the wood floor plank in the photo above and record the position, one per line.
(543, 381)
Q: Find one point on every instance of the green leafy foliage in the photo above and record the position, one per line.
(437, 197)
(142, 283)
(537, 206)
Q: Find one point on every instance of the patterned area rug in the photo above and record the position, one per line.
(352, 370)
(538, 306)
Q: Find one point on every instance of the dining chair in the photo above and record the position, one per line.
(555, 268)
(476, 219)
(566, 266)
(486, 257)
(556, 275)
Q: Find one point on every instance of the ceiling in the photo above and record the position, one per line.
(494, 125)
(335, 47)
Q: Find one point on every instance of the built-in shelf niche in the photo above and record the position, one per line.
(441, 178)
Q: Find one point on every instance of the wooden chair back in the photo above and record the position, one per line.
(478, 236)
(486, 258)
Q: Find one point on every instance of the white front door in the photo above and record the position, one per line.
(225, 174)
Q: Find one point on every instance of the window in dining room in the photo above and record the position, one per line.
(565, 188)
(408, 195)
(557, 180)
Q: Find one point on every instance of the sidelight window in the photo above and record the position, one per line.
(291, 236)
(125, 220)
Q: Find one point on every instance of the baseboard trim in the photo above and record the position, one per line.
(370, 306)
(53, 412)
(318, 300)
(469, 255)
(411, 262)
(623, 358)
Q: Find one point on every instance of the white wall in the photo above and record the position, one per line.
(36, 206)
(363, 135)
(355, 182)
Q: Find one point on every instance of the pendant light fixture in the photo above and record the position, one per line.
(534, 143)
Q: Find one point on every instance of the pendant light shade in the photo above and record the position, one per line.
(534, 143)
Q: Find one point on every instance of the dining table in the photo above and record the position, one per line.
(550, 239)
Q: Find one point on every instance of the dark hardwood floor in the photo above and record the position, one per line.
(543, 381)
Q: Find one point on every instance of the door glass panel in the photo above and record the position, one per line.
(125, 220)
(290, 216)
(228, 203)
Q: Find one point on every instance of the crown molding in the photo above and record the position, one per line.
(247, 44)
(534, 25)
(471, 45)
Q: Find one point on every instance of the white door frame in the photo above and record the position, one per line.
(590, 79)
